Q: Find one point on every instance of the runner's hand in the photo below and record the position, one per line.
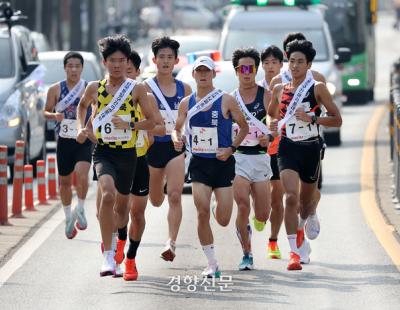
(302, 116)
(82, 136)
(59, 116)
(224, 153)
(91, 136)
(263, 140)
(119, 123)
(178, 143)
(273, 125)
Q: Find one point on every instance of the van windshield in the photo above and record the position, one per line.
(237, 38)
(6, 59)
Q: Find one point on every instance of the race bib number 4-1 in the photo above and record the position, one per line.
(110, 134)
(204, 140)
(169, 123)
(298, 130)
(252, 138)
(69, 129)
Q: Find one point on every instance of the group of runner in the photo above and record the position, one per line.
(255, 146)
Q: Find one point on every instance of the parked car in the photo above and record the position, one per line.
(53, 61)
(21, 107)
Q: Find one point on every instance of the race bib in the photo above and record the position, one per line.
(140, 142)
(169, 123)
(298, 130)
(68, 129)
(204, 139)
(110, 134)
(252, 138)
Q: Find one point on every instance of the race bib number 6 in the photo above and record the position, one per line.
(68, 129)
(204, 140)
(110, 134)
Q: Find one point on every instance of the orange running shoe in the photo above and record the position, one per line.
(294, 262)
(130, 273)
(119, 252)
(273, 250)
(300, 237)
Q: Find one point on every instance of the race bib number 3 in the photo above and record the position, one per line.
(68, 129)
(252, 138)
(169, 124)
(204, 140)
(110, 134)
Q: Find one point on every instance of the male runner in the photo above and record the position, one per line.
(116, 124)
(252, 169)
(164, 161)
(207, 115)
(61, 105)
(297, 106)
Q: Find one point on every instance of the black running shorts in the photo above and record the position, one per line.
(160, 153)
(212, 172)
(140, 185)
(69, 152)
(120, 164)
(302, 157)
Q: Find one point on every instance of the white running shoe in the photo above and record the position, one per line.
(70, 230)
(312, 227)
(81, 218)
(305, 251)
(211, 271)
(118, 272)
(108, 267)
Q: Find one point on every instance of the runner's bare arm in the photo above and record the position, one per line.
(159, 129)
(180, 123)
(51, 102)
(333, 118)
(140, 93)
(239, 118)
(318, 76)
(89, 96)
(273, 107)
(275, 81)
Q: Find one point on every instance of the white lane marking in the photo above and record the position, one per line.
(25, 252)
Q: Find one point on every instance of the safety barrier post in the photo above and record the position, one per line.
(41, 182)
(51, 178)
(3, 186)
(28, 185)
(18, 179)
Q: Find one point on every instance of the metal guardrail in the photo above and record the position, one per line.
(394, 124)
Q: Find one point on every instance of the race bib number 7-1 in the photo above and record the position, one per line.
(110, 134)
(204, 140)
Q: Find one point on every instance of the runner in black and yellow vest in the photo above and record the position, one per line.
(116, 124)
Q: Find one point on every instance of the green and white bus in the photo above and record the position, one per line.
(352, 24)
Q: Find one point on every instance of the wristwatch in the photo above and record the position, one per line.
(314, 119)
(234, 148)
(132, 125)
(271, 137)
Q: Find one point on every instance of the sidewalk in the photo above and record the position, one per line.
(12, 237)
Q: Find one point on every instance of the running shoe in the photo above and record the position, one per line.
(259, 226)
(294, 262)
(273, 250)
(169, 251)
(246, 263)
(118, 273)
(312, 227)
(70, 230)
(299, 237)
(119, 252)
(108, 267)
(304, 252)
(81, 223)
(211, 271)
(131, 273)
